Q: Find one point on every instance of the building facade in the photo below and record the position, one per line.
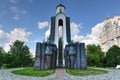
(110, 34)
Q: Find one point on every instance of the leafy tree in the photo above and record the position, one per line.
(48, 39)
(7, 59)
(1, 56)
(95, 55)
(113, 56)
(20, 55)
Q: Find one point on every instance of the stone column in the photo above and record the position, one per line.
(37, 64)
(54, 57)
(83, 56)
(43, 56)
(78, 56)
(48, 61)
(72, 61)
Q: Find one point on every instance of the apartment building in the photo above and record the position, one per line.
(110, 34)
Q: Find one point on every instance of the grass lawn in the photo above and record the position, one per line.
(32, 72)
(87, 72)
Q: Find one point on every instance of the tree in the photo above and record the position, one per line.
(113, 56)
(20, 55)
(7, 59)
(95, 56)
(1, 56)
(48, 39)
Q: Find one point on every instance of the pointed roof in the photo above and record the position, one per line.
(61, 5)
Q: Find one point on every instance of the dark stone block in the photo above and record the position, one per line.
(43, 56)
(49, 52)
(83, 56)
(72, 61)
(70, 55)
(68, 30)
(37, 64)
(77, 59)
(78, 56)
(52, 32)
(48, 61)
(54, 60)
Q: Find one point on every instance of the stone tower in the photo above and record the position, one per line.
(60, 29)
(59, 51)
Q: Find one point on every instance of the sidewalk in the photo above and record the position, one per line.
(60, 73)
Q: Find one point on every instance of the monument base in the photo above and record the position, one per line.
(74, 55)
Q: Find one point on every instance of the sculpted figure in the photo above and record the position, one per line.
(48, 57)
(71, 50)
(48, 49)
(71, 53)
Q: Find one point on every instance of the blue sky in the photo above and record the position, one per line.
(29, 20)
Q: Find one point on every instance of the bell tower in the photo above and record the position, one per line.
(60, 32)
(59, 51)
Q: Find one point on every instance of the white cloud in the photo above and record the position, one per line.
(47, 33)
(3, 36)
(74, 28)
(13, 1)
(17, 12)
(93, 37)
(42, 25)
(17, 34)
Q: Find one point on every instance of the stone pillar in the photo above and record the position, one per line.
(54, 59)
(78, 56)
(48, 61)
(72, 61)
(43, 56)
(83, 56)
(37, 64)
(57, 64)
(66, 56)
(50, 56)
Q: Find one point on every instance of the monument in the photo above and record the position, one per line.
(60, 51)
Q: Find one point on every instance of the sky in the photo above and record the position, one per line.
(29, 20)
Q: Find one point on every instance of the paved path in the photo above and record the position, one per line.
(112, 75)
(60, 73)
(7, 75)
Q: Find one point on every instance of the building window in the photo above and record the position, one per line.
(60, 22)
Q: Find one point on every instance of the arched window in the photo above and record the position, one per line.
(60, 23)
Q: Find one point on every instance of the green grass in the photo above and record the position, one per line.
(87, 72)
(32, 72)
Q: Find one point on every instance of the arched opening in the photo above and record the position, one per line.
(60, 22)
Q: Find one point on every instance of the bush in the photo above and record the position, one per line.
(113, 56)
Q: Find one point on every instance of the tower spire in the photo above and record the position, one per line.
(60, 2)
(60, 8)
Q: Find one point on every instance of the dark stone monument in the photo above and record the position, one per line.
(49, 54)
